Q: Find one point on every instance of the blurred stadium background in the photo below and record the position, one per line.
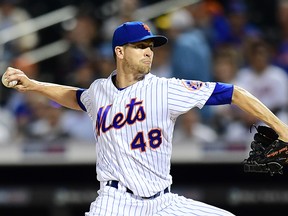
(47, 156)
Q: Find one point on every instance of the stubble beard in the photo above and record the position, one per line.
(139, 70)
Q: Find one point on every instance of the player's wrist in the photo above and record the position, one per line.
(34, 85)
(282, 131)
(283, 139)
(283, 135)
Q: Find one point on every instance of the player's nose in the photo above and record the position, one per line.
(148, 52)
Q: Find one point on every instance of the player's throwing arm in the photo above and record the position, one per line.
(64, 95)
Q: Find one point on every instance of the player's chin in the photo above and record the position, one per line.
(146, 66)
(145, 70)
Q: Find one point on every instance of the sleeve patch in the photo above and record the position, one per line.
(193, 85)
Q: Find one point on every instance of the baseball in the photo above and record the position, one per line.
(9, 84)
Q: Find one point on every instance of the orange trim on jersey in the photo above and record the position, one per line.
(140, 137)
(118, 120)
(160, 131)
(192, 85)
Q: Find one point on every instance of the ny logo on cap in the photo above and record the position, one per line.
(146, 27)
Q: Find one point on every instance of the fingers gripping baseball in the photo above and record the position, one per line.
(7, 81)
(15, 78)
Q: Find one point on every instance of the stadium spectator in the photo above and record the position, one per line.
(281, 54)
(10, 15)
(82, 50)
(191, 54)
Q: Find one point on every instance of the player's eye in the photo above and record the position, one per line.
(144, 46)
(141, 46)
(151, 47)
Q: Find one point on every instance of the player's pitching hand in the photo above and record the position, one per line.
(17, 79)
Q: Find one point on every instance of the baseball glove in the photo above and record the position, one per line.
(268, 154)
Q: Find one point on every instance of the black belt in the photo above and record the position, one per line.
(114, 184)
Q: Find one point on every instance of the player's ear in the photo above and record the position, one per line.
(119, 52)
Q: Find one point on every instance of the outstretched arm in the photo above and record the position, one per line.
(64, 95)
(250, 104)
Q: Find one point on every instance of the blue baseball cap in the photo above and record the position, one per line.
(132, 32)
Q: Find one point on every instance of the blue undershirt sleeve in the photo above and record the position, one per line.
(221, 95)
(78, 96)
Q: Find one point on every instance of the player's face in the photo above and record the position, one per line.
(139, 56)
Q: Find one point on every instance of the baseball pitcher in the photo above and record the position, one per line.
(133, 114)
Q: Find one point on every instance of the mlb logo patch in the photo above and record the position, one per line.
(192, 85)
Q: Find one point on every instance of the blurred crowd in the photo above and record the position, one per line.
(209, 41)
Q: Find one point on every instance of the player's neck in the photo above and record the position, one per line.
(115, 83)
(124, 80)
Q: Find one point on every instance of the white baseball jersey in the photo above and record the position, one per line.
(134, 128)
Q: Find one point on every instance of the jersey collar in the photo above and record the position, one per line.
(140, 83)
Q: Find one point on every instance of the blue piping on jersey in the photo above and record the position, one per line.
(78, 96)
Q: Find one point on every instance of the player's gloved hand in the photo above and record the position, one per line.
(268, 154)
